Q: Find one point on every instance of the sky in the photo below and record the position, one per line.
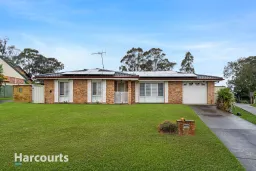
(214, 31)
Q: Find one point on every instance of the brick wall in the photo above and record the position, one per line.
(133, 92)
(110, 91)
(22, 93)
(175, 92)
(13, 80)
(129, 92)
(49, 91)
(80, 91)
(210, 92)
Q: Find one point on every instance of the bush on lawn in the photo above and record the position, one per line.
(168, 127)
(225, 99)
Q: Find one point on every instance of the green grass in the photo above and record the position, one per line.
(108, 137)
(5, 98)
(254, 105)
(245, 115)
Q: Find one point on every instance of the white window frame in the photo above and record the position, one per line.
(145, 92)
(97, 88)
(66, 88)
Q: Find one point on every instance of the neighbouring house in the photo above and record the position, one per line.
(13, 74)
(115, 87)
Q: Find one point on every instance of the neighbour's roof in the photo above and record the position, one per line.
(143, 75)
(18, 69)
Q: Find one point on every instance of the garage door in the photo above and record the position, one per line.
(194, 93)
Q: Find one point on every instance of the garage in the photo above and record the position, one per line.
(194, 93)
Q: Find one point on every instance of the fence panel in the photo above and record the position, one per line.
(6, 91)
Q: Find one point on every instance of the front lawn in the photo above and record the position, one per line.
(5, 98)
(108, 137)
(244, 114)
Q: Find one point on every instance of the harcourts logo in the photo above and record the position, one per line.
(19, 158)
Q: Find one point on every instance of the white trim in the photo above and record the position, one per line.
(70, 90)
(104, 91)
(166, 91)
(89, 92)
(56, 91)
(87, 78)
(137, 91)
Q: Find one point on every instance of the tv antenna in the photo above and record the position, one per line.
(101, 54)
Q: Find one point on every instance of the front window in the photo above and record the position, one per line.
(151, 89)
(63, 88)
(96, 88)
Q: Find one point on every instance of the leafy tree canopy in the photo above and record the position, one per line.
(187, 64)
(152, 60)
(35, 63)
(241, 75)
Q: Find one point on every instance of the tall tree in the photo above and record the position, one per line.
(156, 60)
(8, 51)
(241, 75)
(34, 63)
(151, 60)
(1, 75)
(133, 60)
(187, 63)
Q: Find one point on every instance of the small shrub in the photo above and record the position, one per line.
(225, 99)
(168, 127)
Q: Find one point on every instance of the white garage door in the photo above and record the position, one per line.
(194, 93)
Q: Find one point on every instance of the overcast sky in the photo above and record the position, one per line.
(215, 31)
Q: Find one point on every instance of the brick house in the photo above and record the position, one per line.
(13, 74)
(113, 87)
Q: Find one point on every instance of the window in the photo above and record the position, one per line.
(142, 89)
(63, 88)
(20, 90)
(148, 89)
(160, 89)
(96, 88)
(151, 89)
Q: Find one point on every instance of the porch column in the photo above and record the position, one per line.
(129, 92)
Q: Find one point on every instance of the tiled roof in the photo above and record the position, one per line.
(208, 77)
(18, 69)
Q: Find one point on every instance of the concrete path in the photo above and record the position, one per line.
(237, 134)
(247, 107)
(3, 101)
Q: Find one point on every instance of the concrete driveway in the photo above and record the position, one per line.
(247, 107)
(237, 134)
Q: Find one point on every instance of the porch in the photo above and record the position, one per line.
(121, 92)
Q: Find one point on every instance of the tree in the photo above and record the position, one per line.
(156, 61)
(241, 75)
(152, 60)
(187, 64)
(1, 75)
(133, 60)
(31, 61)
(8, 51)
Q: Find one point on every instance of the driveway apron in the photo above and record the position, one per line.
(237, 134)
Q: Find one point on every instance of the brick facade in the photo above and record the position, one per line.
(129, 92)
(133, 92)
(110, 92)
(22, 93)
(175, 92)
(49, 91)
(210, 92)
(13, 80)
(79, 91)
